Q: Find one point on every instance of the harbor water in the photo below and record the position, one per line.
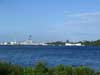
(53, 55)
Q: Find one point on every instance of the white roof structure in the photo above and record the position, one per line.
(71, 44)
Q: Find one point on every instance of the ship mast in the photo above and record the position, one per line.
(30, 37)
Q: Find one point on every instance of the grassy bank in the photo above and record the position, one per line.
(42, 69)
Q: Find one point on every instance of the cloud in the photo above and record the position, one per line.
(85, 23)
(86, 17)
(85, 14)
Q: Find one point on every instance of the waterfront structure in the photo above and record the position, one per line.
(3, 43)
(26, 42)
(29, 41)
(73, 44)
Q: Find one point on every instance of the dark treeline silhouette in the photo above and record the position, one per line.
(91, 43)
(57, 43)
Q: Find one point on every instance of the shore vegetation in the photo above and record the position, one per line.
(42, 69)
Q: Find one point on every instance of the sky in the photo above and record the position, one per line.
(49, 20)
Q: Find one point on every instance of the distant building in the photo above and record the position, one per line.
(43, 44)
(26, 42)
(13, 43)
(5, 43)
(71, 44)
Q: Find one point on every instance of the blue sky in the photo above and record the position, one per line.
(49, 20)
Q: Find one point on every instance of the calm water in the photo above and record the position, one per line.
(29, 55)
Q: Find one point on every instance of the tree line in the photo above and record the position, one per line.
(85, 43)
